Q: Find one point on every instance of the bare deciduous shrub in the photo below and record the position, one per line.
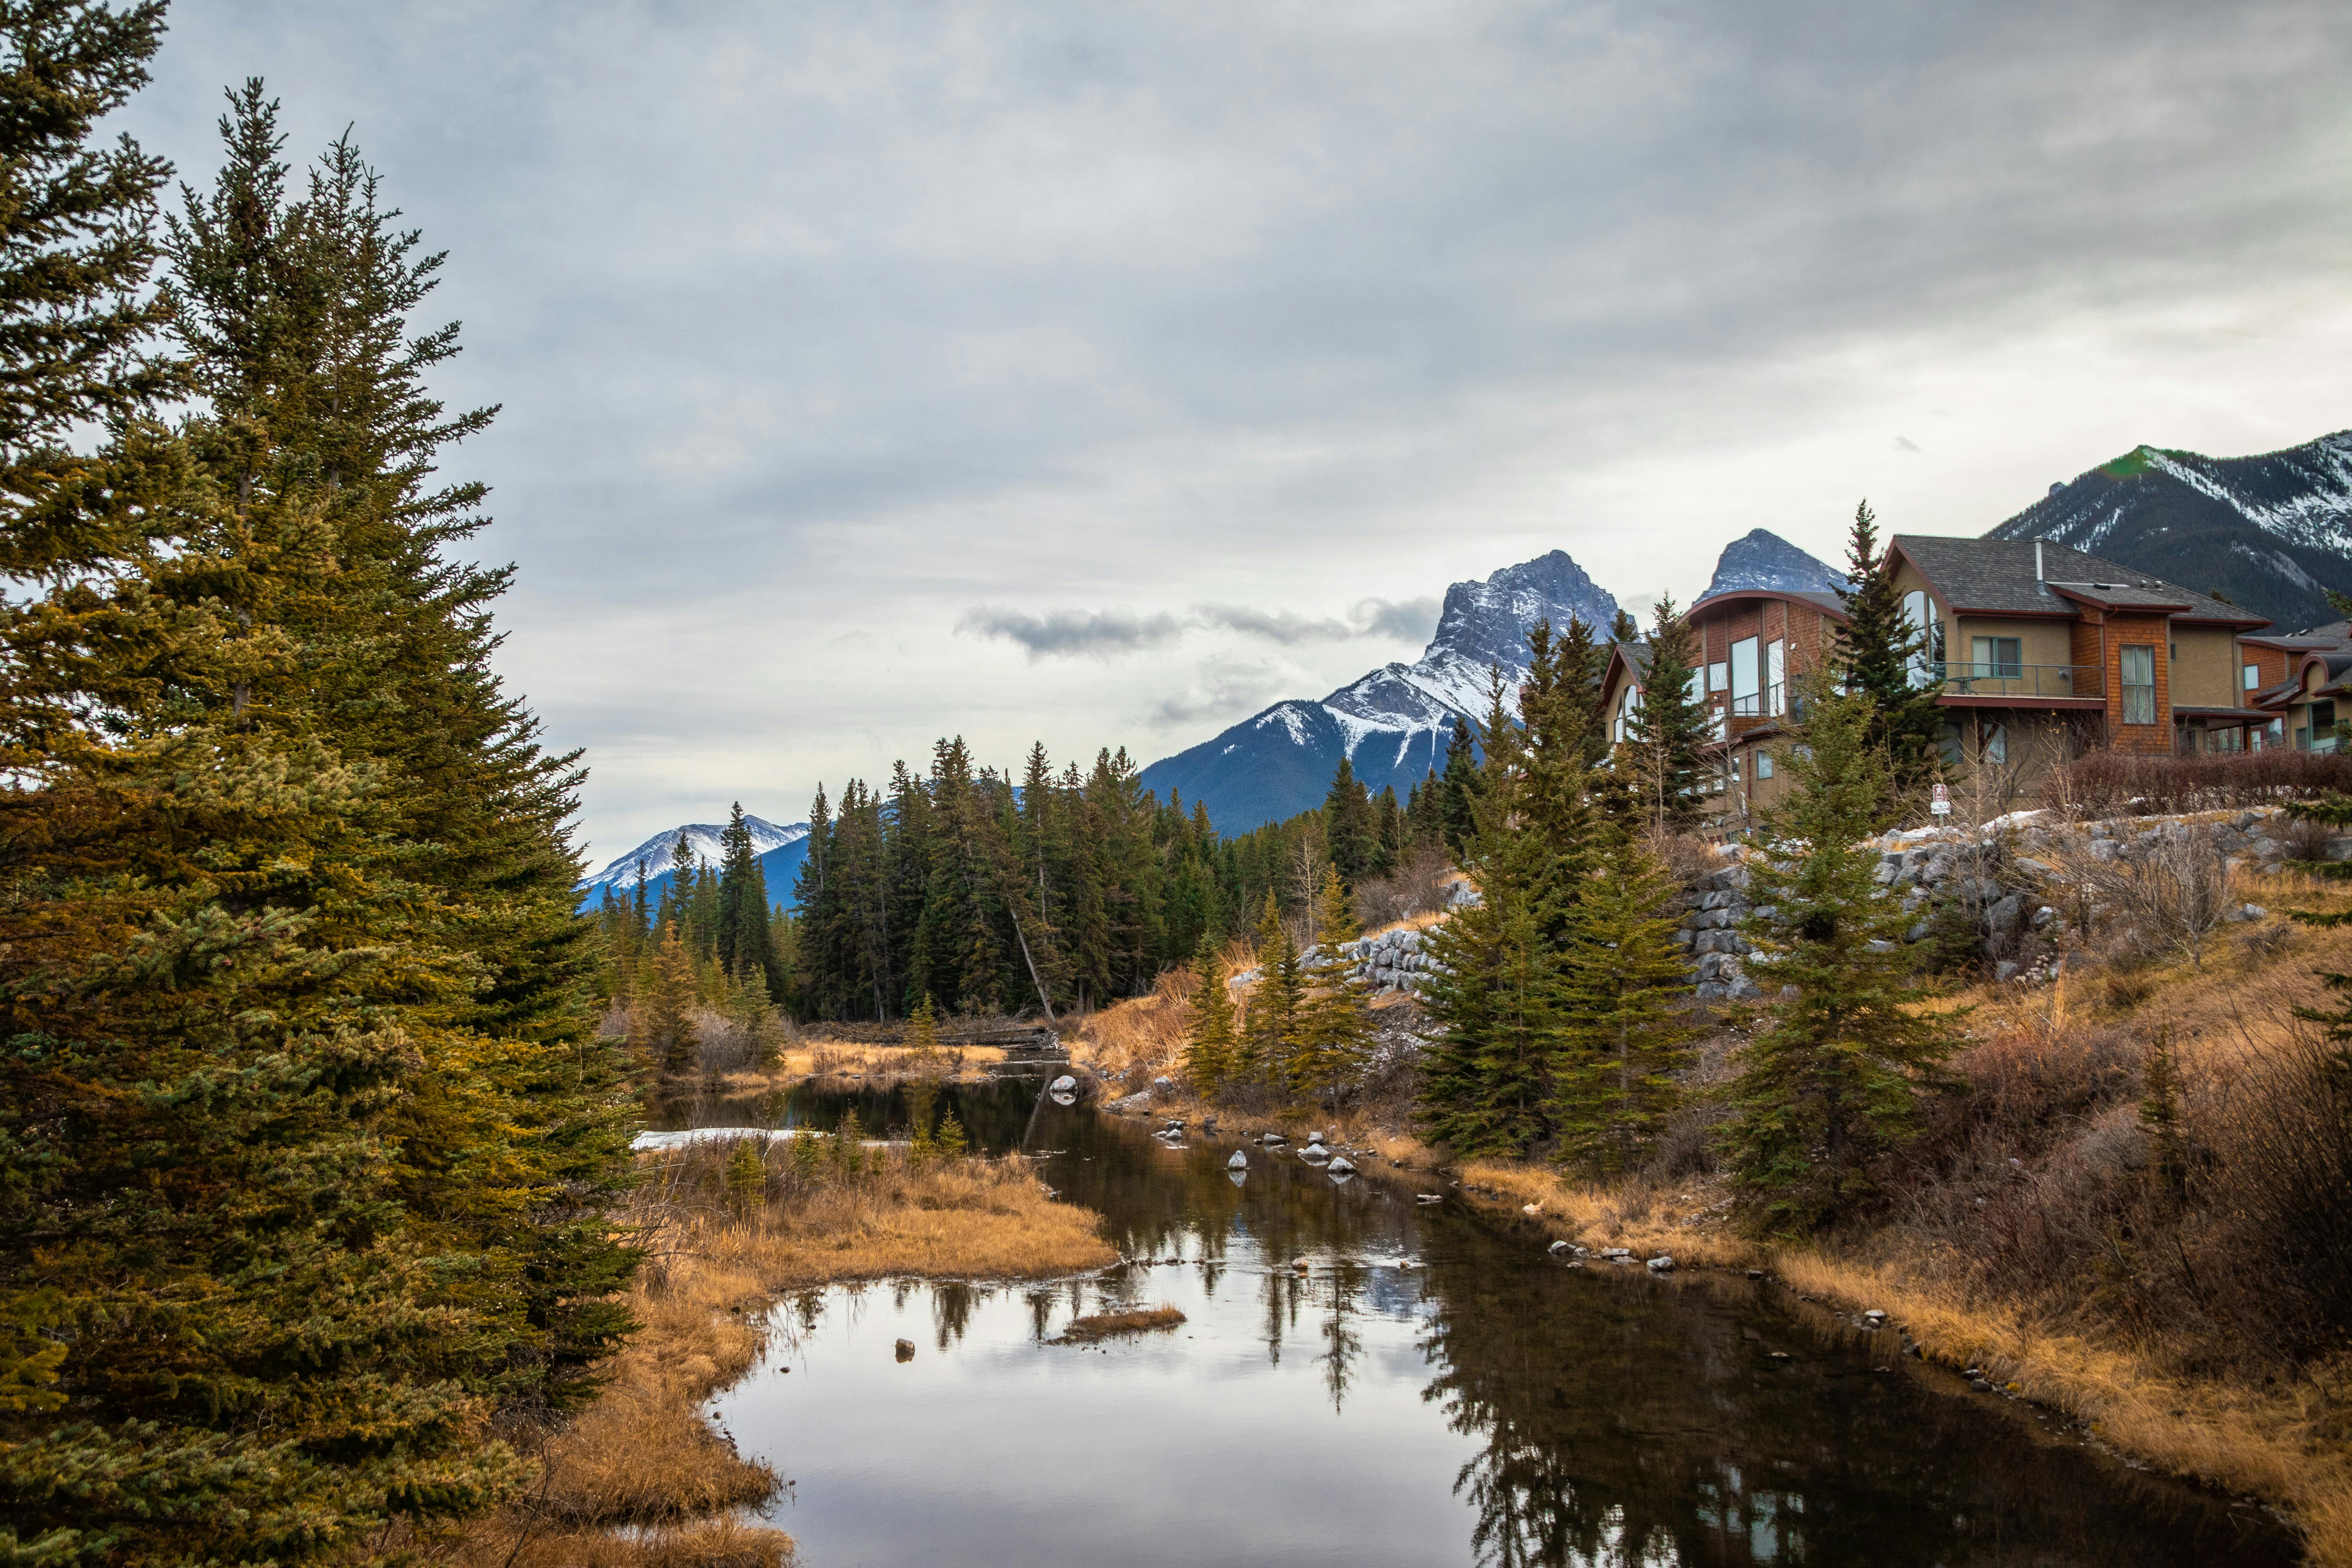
(2107, 783)
(2281, 1189)
(1416, 887)
(1688, 859)
(2159, 895)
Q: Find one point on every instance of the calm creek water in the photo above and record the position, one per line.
(1485, 1405)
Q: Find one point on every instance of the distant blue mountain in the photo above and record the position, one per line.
(782, 850)
(1392, 723)
(1762, 558)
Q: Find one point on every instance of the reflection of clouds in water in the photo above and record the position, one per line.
(1480, 1404)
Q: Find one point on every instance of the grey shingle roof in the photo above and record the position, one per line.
(1996, 576)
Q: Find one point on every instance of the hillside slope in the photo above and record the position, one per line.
(2267, 533)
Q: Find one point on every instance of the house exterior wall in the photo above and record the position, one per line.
(2046, 642)
(2205, 667)
(2151, 632)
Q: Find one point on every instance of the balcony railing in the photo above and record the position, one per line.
(1963, 677)
(1764, 704)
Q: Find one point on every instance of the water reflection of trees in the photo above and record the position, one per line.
(1624, 1424)
(1614, 1423)
(1343, 1289)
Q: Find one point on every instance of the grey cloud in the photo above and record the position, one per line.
(1225, 691)
(1104, 634)
(809, 319)
(1070, 634)
(1905, 444)
(1285, 627)
(1406, 620)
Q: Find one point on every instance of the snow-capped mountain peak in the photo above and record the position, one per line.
(1392, 722)
(703, 838)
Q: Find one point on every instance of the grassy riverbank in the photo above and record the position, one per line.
(2176, 1302)
(638, 1478)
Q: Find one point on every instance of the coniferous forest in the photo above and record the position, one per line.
(986, 893)
(305, 1135)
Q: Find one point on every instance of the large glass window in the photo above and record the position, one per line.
(1919, 612)
(2251, 677)
(1996, 743)
(1999, 659)
(1776, 676)
(1744, 676)
(2140, 683)
(1718, 675)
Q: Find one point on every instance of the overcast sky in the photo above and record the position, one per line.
(1100, 373)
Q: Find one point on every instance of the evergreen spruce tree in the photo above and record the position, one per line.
(746, 1178)
(1459, 791)
(1832, 1081)
(1270, 1026)
(951, 1142)
(1888, 662)
(1334, 1031)
(1623, 1033)
(1392, 835)
(1492, 993)
(743, 938)
(1668, 731)
(287, 854)
(1211, 1052)
(661, 1015)
(1351, 830)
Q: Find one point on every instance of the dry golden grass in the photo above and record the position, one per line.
(642, 1456)
(2269, 1440)
(1684, 1220)
(1105, 1325)
(1145, 1032)
(840, 1058)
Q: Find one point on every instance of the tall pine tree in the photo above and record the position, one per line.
(1833, 1080)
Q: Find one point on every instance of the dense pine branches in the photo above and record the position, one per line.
(304, 1134)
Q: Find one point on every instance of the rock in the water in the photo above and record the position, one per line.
(1557, 1248)
(1240, 1162)
(1064, 1084)
(1164, 1085)
(906, 1350)
(1429, 1197)
(1315, 1136)
(1341, 1166)
(1662, 1264)
(1273, 1138)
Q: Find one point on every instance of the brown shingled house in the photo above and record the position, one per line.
(2042, 652)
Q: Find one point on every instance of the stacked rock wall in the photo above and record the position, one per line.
(2007, 876)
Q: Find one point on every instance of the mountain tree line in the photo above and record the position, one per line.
(305, 1134)
(1052, 889)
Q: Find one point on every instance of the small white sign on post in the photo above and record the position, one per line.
(1939, 803)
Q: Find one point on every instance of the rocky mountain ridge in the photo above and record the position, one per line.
(2271, 533)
